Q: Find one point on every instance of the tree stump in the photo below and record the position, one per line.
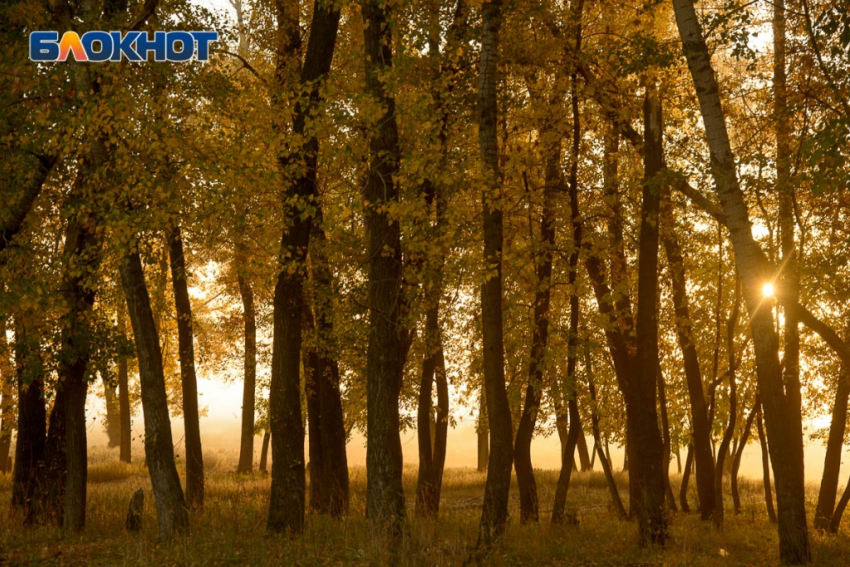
(134, 514)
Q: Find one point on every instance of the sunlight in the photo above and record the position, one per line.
(767, 290)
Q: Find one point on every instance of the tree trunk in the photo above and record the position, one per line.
(834, 446)
(249, 384)
(113, 422)
(701, 426)
(32, 418)
(384, 357)
(286, 505)
(604, 460)
(310, 362)
(686, 475)
(124, 395)
(736, 462)
(494, 513)
(528, 500)
(649, 450)
(665, 435)
(584, 458)
(483, 434)
(159, 453)
(330, 401)
(765, 466)
(51, 474)
(786, 446)
(264, 451)
(723, 450)
(8, 380)
(186, 346)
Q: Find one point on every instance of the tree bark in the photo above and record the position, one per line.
(786, 446)
(188, 378)
(603, 460)
(159, 453)
(32, 419)
(723, 450)
(834, 446)
(765, 466)
(665, 435)
(249, 384)
(497, 486)
(310, 362)
(736, 462)
(700, 424)
(113, 422)
(124, 395)
(683, 489)
(286, 505)
(649, 450)
(483, 434)
(384, 357)
(8, 380)
(264, 452)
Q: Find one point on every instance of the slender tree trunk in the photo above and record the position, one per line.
(186, 345)
(723, 450)
(613, 491)
(159, 452)
(834, 446)
(124, 395)
(649, 449)
(249, 384)
(483, 434)
(786, 446)
(113, 422)
(8, 380)
(686, 475)
(494, 513)
(701, 426)
(765, 465)
(739, 452)
(529, 506)
(312, 370)
(665, 435)
(264, 451)
(583, 454)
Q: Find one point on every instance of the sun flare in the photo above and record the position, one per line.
(767, 290)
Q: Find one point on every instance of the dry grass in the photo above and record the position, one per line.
(231, 530)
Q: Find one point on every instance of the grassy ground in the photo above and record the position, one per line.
(231, 530)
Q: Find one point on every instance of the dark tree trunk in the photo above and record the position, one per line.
(159, 453)
(584, 458)
(494, 513)
(665, 435)
(736, 462)
(51, 475)
(32, 419)
(701, 426)
(286, 505)
(330, 400)
(264, 452)
(765, 466)
(186, 346)
(528, 500)
(835, 521)
(249, 385)
(124, 395)
(834, 446)
(318, 473)
(113, 422)
(604, 460)
(570, 388)
(648, 447)
(782, 420)
(686, 475)
(723, 450)
(384, 357)
(482, 432)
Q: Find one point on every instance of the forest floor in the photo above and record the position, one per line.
(231, 530)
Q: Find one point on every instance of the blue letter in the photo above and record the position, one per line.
(44, 46)
(204, 38)
(144, 45)
(124, 46)
(185, 38)
(89, 38)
